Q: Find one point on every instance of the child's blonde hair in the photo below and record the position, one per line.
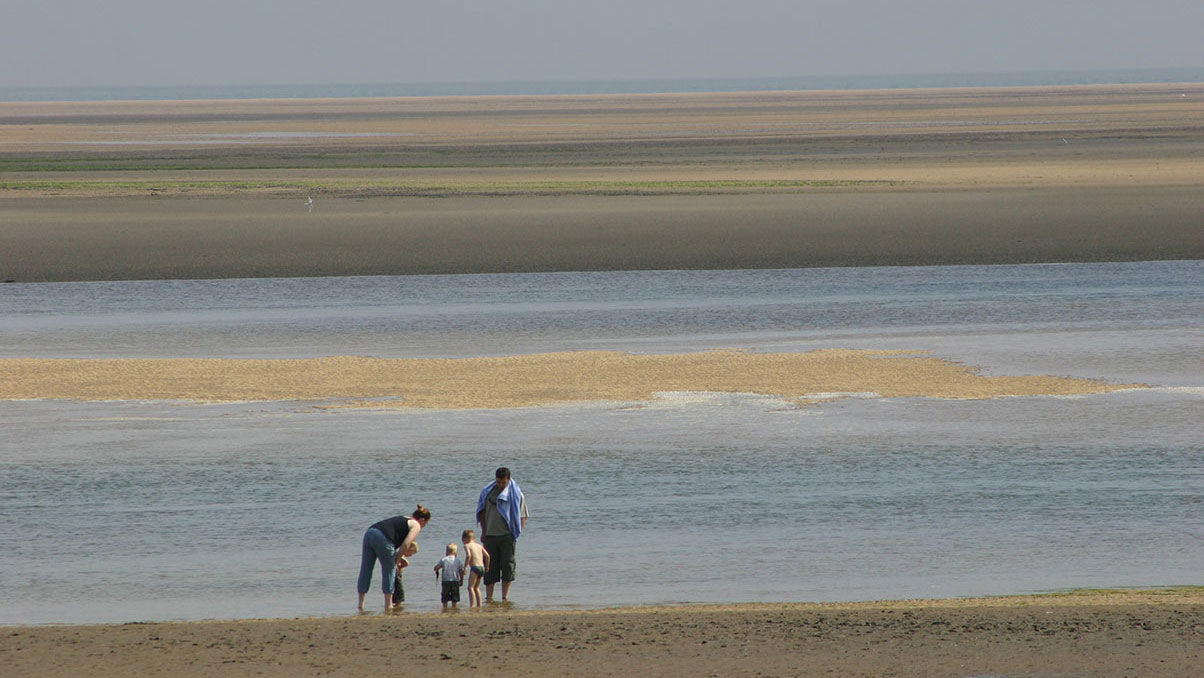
(452, 549)
(468, 536)
(400, 555)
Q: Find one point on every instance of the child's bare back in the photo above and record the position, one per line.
(476, 561)
(475, 554)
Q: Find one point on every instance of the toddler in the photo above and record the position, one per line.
(402, 561)
(451, 573)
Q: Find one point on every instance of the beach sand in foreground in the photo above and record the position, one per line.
(522, 381)
(1133, 633)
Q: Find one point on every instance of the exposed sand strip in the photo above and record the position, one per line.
(216, 189)
(520, 381)
(119, 126)
(120, 239)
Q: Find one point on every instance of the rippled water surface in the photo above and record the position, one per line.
(126, 511)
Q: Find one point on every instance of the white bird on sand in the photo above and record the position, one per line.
(309, 203)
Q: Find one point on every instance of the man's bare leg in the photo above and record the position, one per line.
(506, 591)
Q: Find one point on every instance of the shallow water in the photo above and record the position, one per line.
(124, 511)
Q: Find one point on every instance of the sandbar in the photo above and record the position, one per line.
(523, 380)
(219, 189)
(1157, 632)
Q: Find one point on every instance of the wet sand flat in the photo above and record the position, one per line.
(1112, 634)
(188, 238)
(129, 190)
(854, 118)
(521, 381)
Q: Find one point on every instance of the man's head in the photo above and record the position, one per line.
(502, 476)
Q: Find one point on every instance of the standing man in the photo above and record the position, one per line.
(502, 515)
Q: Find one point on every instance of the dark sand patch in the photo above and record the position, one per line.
(114, 239)
(1118, 634)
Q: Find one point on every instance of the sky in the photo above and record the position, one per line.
(64, 43)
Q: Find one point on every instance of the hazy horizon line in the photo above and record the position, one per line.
(1034, 78)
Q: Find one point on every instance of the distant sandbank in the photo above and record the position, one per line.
(192, 238)
(1111, 633)
(524, 380)
(219, 189)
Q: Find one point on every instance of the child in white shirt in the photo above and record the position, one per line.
(450, 572)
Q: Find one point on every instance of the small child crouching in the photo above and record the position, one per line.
(402, 561)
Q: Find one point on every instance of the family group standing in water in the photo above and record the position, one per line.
(501, 515)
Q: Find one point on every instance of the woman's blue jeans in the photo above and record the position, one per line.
(376, 547)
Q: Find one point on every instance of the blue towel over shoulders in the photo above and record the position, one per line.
(509, 504)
